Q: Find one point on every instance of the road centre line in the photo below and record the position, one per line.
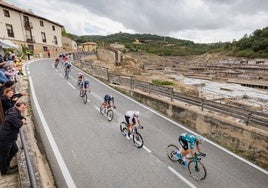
(181, 177)
(66, 174)
(71, 85)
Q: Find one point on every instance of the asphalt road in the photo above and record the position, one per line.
(85, 150)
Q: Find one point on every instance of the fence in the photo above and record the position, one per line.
(128, 81)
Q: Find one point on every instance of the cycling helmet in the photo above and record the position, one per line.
(136, 113)
(200, 139)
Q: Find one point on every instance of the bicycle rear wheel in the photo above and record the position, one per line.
(197, 170)
(171, 152)
(137, 140)
(123, 128)
(110, 115)
(102, 109)
(85, 97)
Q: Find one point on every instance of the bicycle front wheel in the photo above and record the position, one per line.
(110, 115)
(85, 98)
(137, 140)
(123, 128)
(197, 170)
(171, 152)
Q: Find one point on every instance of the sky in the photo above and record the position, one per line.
(201, 21)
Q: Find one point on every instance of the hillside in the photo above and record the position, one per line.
(252, 46)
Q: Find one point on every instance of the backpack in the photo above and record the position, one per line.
(68, 66)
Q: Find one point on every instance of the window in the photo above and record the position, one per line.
(44, 48)
(55, 40)
(6, 13)
(31, 47)
(43, 37)
(41, 23)
(10, 32)
(53, 27)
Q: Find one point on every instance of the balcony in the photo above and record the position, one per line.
(30, 39)
(28, 25)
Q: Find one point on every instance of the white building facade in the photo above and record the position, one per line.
(24, 28)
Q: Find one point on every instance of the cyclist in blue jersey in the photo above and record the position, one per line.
(188, 142)
(84, 85)
(109, 101)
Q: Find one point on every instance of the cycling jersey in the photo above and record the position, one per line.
(185, 138)
(84, 84)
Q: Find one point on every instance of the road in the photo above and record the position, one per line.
(85, 150)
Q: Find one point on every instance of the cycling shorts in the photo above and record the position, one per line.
(127, 118)
(183, 143)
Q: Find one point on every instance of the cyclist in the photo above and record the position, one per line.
(186, 140)
(67, 66)
(108, 99)
(80, 78)
(84, 86)
(132, 119)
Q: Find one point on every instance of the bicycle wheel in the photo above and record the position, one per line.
(171, 152)
(137, 140)
(67, 75)
(110, 115)
(78, 82)
(85, 97)
(197, 170)
(102, 109)
(123, 128)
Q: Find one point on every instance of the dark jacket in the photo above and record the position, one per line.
(10, 126)
(7, 103)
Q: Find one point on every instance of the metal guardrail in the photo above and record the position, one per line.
(28, 160)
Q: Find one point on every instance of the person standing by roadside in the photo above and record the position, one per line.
(48, 53)
(9, 130)
(7, 99)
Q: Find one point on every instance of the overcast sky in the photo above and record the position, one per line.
(195, 20)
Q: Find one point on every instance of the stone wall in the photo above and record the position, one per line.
(249, 142)
(106, 55)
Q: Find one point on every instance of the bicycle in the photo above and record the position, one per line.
(83, 94)
(67, 73)
(137, 138)
(107, 111)
(195, 167)
(79, 82)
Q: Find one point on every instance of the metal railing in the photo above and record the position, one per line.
(28, 160)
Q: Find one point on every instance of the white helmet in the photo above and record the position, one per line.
(136, 113)
(200, 139)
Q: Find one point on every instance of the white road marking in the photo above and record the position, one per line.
(147, 149)
(71, 85)
(181, 177)
(66, 174)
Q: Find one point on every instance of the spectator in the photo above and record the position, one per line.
(48, 53)
(8, 136)
(8, 101)
(7, 84)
